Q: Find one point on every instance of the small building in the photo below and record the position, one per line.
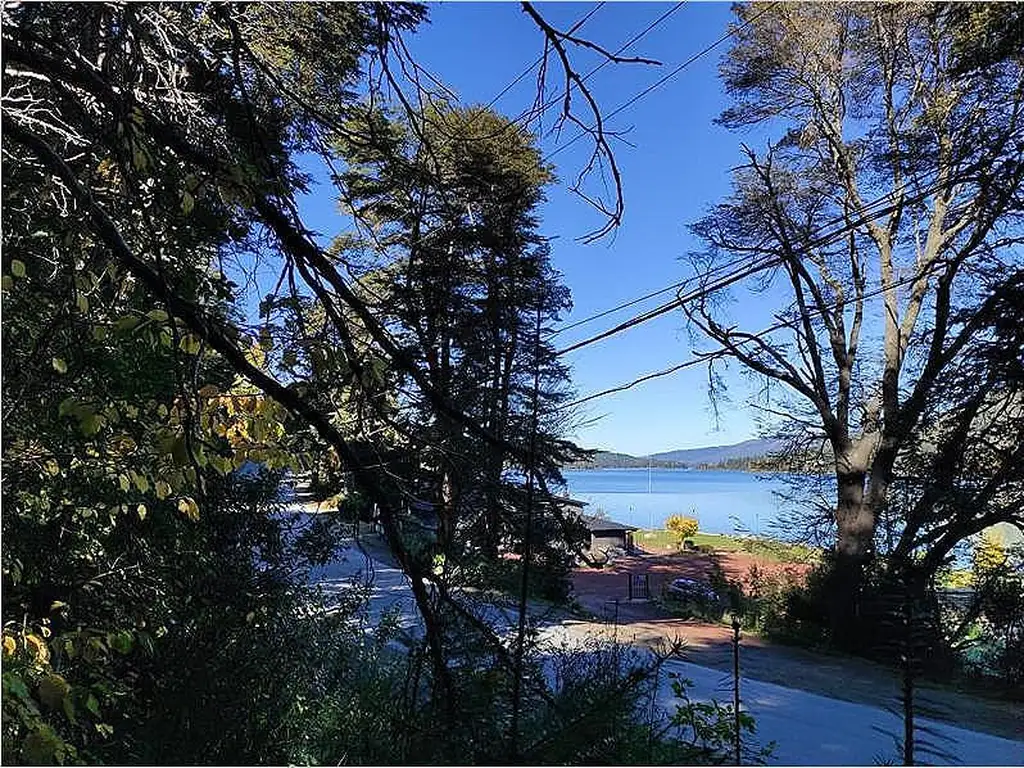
(608, 534)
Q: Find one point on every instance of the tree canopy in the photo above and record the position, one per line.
(889, 210)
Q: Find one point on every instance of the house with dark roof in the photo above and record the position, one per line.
(608, 534)
(605, 534)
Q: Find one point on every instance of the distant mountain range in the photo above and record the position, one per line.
(715, 455)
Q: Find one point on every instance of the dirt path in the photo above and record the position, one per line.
(604, 594)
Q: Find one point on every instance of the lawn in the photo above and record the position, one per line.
(769, 549)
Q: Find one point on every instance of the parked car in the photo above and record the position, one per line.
(695, 599)
(692, 589)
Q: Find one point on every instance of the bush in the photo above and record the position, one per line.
(683, 527)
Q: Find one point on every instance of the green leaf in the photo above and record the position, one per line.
(69, 709)
(13, 684)
(141, 509)
(17, 268)
(189, 344)
(187, 203)
(158, 315)
(141, 481)
(7, 282)
(53, 689)
(92, 704)
(40, 747)
(126, 324)
(90, 423)
(83, 303)
(121, 641)
(59, 365)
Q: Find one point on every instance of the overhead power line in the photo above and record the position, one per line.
(665, 78)
(575, 27)
(866, 214)
(720, 353)
(533, 114)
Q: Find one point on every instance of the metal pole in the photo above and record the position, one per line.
(517, 679)
(736, 683)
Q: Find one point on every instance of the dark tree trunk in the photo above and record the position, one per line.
(855, 524)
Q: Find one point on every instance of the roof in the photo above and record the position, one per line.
(603, 524)
(566, 501)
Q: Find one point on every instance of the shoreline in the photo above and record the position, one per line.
(697, 469)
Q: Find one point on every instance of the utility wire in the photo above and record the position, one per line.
(619, 308)
(725, 266)
(575, 27)
(665, 78)
(724, 352)
(530, 114)
(866, 215)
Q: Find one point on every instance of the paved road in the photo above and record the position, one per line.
(808, 729)
(389, 589)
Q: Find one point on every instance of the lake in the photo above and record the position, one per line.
(722, 501)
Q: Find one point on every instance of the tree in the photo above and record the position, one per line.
(465, 279)
(961, 473)
(162, 144)
(129, 546)
(683, 527)
(891, 199)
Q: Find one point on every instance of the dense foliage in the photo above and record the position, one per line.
(156, 605)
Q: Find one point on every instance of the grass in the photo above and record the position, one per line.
(769, 549)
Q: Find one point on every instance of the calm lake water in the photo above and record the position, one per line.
(722, 501)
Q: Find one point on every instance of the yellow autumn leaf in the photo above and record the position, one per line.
(141, 509)
(17, 268)
(37, 647)
(124, 482)
(10, 645)
(59, 365)
(163, 489)
(188, 507)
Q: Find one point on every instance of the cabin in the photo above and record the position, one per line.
(608, 534)
(605, 534)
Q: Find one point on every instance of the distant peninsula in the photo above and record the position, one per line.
(752, 455)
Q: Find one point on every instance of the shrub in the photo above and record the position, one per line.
(683, 527)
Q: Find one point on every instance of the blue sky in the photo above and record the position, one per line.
(676, 164)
